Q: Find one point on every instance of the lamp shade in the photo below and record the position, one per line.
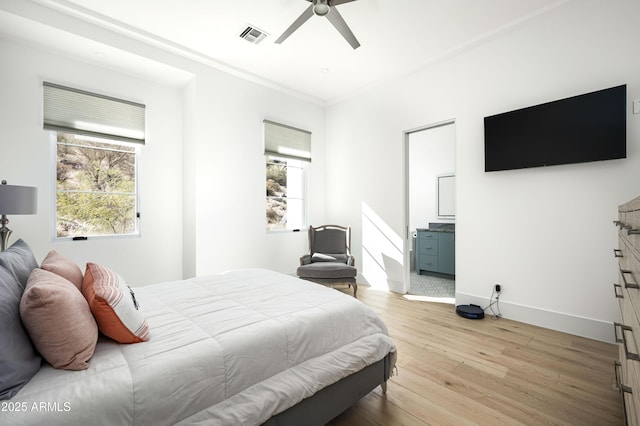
(18, 199)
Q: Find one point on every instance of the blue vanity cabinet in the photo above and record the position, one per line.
(427, 251)
(435, 252)
(447, 253)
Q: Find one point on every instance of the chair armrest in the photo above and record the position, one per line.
(305, 259)
(351, 261)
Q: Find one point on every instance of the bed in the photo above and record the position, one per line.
(245, 347)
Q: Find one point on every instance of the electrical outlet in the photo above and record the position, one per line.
(498, 288)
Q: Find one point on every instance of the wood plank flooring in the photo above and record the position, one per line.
(456, 371)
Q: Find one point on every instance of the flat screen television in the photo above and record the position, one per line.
(579, 129)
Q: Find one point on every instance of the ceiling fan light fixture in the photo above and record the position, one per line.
(321, 7)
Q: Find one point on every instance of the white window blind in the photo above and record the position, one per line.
(77, 111)
(286, 141)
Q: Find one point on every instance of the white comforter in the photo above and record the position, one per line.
(229, 349)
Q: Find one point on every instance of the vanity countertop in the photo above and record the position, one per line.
(439, 227)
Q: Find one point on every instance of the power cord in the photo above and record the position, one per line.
(495, 294)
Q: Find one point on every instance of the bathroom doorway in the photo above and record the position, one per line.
(430, 211)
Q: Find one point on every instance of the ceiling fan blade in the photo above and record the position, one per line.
(308, 13)
(336, 19)
(337, 2)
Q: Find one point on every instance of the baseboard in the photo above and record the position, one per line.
(560, 321)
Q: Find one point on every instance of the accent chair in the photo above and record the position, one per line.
(329, 260)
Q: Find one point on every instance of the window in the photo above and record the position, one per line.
(287, 152)
(285, 194)
(98, 140)
(96, 190)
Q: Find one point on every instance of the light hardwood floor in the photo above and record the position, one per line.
(456, 371)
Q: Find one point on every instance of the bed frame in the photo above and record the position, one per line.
(329, 402)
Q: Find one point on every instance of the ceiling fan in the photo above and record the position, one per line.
(323, 8)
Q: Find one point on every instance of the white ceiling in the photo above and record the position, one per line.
(396, 36)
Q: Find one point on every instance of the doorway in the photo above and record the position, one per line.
(430, 211)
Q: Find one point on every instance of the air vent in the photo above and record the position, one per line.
(252, 34)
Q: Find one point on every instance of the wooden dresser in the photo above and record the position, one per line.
(627, 291)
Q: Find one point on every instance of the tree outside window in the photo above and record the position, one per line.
(96, 189)
(285, 194)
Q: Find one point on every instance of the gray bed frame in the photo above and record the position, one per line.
(329, 402)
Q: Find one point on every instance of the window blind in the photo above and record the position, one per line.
(286, 141)
(77, 111)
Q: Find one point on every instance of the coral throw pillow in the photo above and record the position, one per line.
(58, 320)
(113, 305)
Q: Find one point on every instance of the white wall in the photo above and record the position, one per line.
(230, 197)
(545, 234)
(27, 159)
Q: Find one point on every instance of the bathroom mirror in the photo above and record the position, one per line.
(447, 195)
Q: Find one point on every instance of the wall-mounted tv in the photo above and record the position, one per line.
(579, 129)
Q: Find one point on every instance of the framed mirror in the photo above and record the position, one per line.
(446, 202)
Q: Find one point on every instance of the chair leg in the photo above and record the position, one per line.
(355, 290)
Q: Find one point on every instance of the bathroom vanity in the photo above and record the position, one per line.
(436, 249)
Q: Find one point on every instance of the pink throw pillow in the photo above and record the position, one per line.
(63, 266)
(58, 320)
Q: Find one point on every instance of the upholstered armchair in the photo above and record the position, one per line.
(329, 260)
